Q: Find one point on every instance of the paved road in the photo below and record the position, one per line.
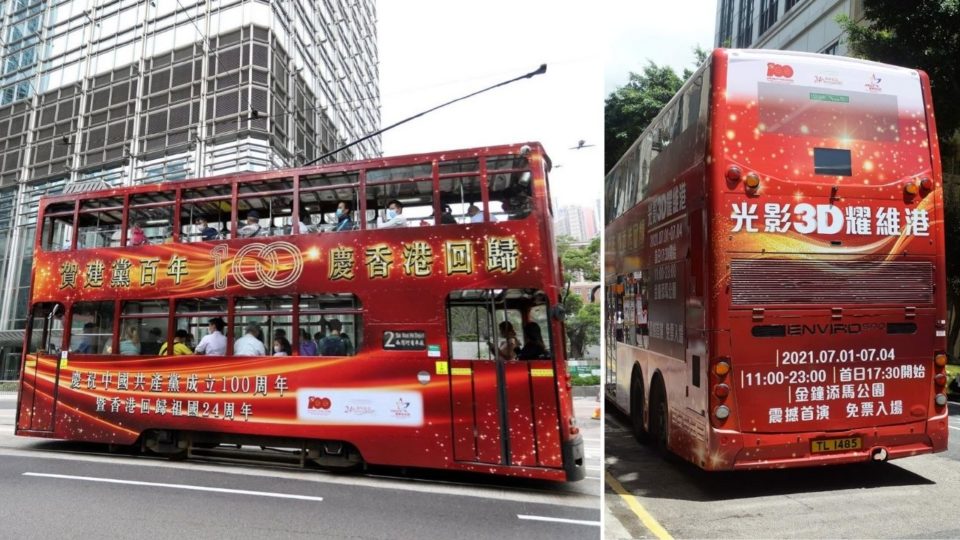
(78, 490)
(908, 498)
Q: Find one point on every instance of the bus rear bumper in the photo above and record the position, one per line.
(573, 459)
(774, 451)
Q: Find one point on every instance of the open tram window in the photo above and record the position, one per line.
(269, 317)
(150, 218)
(205, 214)
(100, 223)
(45, 333)
(317, 313)
(505, 324)
(265, 208)
(143, 327)
(460, 191)
(401, 196)
(194, 315)
(57, 232)
(510, 183)
(320, 197)
(91, 329)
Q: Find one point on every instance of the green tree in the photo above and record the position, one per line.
(583, 320)
(924, 34)
(629, 109)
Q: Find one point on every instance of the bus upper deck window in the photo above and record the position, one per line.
(58, 227)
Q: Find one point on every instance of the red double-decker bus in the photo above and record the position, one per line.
(354, 312)
(775, 266)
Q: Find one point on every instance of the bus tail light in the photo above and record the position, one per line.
(722, 367)
(721, 391)
(722, 412)
(734, 174)
(752, 181)
(940, 360)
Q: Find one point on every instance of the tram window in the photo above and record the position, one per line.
(509, 181)
(143, 326)
(58, 227)
(317, 311)
(152, 213)
(475, 317)
(462, 195)
(194, 314)
(415, 198)
(271, 315)
(321, 194)
(46, 328)
(91, 329)
(265, 208)
(205, 209)
(100, 223)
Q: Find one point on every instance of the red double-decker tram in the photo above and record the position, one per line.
(354, 312)
(775, 266)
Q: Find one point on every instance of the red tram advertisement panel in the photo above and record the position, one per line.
(775, 266)
(359, 315)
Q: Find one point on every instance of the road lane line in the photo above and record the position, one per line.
(559, 520)
(176, 486)
(955, 427)
(648, 521)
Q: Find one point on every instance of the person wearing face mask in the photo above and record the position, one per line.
(344, 223)
(394, 216)
(206, 232)
(249, 345)
(281, 347)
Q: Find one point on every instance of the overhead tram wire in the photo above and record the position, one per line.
(539, 71)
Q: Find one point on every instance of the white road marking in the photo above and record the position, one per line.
(955, 427)
(177, 486)
(559, 520)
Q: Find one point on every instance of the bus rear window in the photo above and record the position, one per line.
(807, 111)
(832, 162)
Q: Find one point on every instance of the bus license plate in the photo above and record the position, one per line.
(836, 445)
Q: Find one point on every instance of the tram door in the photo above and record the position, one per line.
(38, 392)
(504, 410)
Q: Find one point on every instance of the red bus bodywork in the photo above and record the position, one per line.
(776, 297)
(417, 408)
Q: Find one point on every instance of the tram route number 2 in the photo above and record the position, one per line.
(405, 340)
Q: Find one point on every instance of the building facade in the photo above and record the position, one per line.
(795, 25)
(98, 93)
(576, 222)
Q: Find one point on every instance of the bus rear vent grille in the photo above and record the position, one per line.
(761, 282)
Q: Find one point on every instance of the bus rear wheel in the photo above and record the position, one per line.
(659, 418)
(636, 408)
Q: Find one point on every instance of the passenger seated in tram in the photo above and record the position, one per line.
(344, 221)
(509, 345)
(205, 231)
(249, 345)
(333, 344)
(252, 227)
(180, 346)
(446, 216)
(533, 345)
(88, 343)
(214, 343)
(282, 347)
(130, 344)
(308, 347)
(152, 344)
(394, 216)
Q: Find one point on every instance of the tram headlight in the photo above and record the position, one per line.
(722, 412)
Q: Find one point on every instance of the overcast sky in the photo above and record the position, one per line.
(665, 32)
(435, 51)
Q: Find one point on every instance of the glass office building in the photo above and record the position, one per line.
(98, 93)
